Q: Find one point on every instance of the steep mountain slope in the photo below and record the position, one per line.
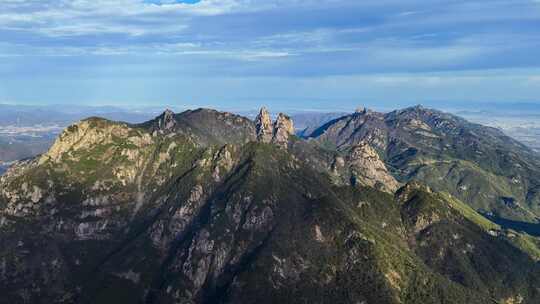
(205, 126)
(479, 165)
(191, 208)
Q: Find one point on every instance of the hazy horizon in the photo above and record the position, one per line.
(520, 108)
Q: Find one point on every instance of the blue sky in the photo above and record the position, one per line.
(297, 54)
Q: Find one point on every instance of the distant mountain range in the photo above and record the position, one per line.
(409, 206)
(20, 115)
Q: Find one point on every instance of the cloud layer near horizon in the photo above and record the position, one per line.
(91, 50)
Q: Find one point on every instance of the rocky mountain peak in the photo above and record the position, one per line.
(419, 112)
(83, 135)
(114, 214)
(264, 126)
(166, 121)
(363, 111)
(278, 132)
(283, 128)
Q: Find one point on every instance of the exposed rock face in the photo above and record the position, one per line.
(283, 128)
(264, 126)
(166, 121)
(447, 153)
(369, 170)
(205, 214)
(363, 111)
(84, 135)
(278, 132)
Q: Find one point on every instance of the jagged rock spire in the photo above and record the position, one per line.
(363, 110)
(360, 110)
(278, 132)
(166, 121)
(283, 128)
(264, 127)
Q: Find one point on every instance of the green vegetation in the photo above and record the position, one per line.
(201, 213)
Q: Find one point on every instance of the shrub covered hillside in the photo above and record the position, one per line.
(211, 207)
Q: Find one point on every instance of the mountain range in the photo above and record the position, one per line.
(410, 206)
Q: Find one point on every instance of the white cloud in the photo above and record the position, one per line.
(385, 35)
(58, 18)
(158, 49)
(86, 17)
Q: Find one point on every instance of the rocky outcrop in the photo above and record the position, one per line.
(363, 111)
(447, 153)
(369, 170)
(166, 121)
(283, 129)
(191, 209)
(264, 126)
(89, 133)
(277, 133)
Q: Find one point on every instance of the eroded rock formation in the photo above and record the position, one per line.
(278, 132)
